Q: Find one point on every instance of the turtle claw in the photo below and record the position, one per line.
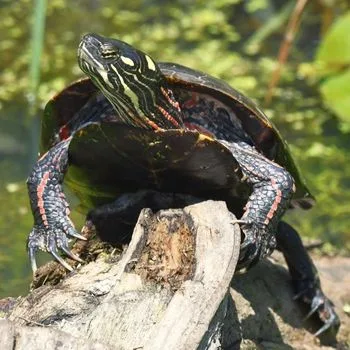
(323, 329)
(239, 222)
(73, 233)
(332, 322)
(321, 306)
(71, 254)
(33, 264)
(55, 254)
(313, 310)
(57, 239)
(51, 240)
(250, 249)
(35, 242)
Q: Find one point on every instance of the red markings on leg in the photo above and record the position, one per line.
(275, 203)
(40, 191)
(58, 153)
(42, 156)
(172, 101)
(168, 116)
(152, 124)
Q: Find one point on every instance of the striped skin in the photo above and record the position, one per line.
(132, 83)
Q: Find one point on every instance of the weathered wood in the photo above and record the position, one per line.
(16, 337)
(187, 318)
(108, 303)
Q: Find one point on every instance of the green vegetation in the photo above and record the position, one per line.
(233, 39)
(333, 61)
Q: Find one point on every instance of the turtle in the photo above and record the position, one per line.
(137, 133)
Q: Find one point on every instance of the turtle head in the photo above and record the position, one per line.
(131, 81)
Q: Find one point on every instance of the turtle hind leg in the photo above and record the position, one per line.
(115, 221)
(305, 277)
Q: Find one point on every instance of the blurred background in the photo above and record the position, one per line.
(303, 85)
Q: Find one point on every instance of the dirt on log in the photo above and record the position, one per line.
(171, 288)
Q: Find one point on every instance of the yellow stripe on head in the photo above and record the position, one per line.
(130, 93)
(151, 65)
(127, 61)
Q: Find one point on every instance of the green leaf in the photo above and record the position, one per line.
(336, 92)
(334, 51)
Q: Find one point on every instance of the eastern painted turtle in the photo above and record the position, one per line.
(137, 125)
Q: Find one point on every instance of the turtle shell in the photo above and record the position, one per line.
(107, 158)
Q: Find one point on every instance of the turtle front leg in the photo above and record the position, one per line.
(49, 206)
(305, 278)
(272, 188)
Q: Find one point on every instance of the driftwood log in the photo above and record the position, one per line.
(169, 290)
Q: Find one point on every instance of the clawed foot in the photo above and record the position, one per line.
(250, 249)
(320, 305)
(52, 240)
(253, 246)
(49, 206)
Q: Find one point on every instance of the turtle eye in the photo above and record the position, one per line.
(108, 51)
